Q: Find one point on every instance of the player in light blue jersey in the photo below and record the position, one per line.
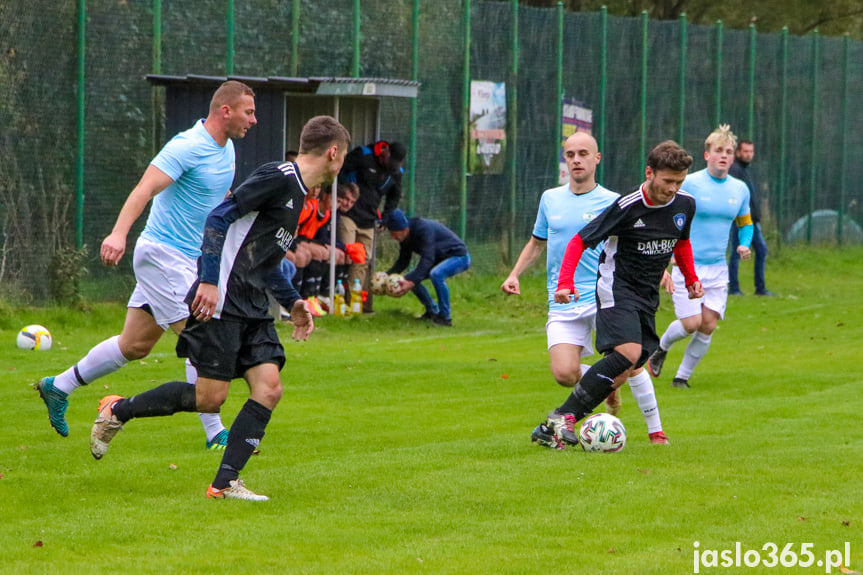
(187, 179)
(720, 200)
(563, 211)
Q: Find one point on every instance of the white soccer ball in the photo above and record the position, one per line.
(602, 432)
(394, 284)
(379, 283)
(35, 337)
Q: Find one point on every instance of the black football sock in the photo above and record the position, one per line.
(298, 279)
(595, 386)
(319, 268)
(167, 399)
(245, 435)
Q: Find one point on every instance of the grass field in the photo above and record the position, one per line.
(401, 447)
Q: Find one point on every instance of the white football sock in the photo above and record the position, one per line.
(212, 422)
(675, 332)
(694, 352)
(642, 390)
(103, 359)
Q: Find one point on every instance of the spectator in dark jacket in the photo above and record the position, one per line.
(442, 255)
(740, 169)
(377, 170)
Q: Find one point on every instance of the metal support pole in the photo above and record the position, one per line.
(355, 68)
(412, 145)
(681, 120)
(559, 91)
(229, 54)
(813, 171)
(512, 145)
(603, 88)
(79, 166)
(843, 162)
(718, 72)
(155, 124)
(643, 90)
(465, 122)
(751, 116)
(783, 124)
(295, 38)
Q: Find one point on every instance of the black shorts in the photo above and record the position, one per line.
(616, 326)
(224, 349)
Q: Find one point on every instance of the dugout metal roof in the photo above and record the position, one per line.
(324, 86)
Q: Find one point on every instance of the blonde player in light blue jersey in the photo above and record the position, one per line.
(189, 177)
(563, 211)
(720, 199)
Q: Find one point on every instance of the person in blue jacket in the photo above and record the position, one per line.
(442, 255)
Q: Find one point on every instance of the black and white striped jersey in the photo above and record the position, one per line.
(245, 239)
(640, 239)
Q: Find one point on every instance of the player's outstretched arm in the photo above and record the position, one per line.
(151, 183)
(529, 254)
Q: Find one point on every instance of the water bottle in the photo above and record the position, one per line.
(356, 297)
(339, 305)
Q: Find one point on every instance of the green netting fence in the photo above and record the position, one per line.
(67, 163)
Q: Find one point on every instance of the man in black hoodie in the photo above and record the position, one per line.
(740, 170)
(377, 170)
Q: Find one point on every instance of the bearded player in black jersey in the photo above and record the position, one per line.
(641, 231)
(230, 333)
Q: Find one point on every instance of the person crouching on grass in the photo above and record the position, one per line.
(442, 255)
(230, 333)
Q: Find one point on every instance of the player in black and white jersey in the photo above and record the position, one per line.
(230, 333)
(641, 231)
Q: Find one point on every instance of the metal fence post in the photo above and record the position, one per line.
(465, 122)
(816, 55)
(643, 90)
(682, 112)
(79, 165)
(412, 146)
(718, 72)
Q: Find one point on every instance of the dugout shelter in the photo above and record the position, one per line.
(283, 105)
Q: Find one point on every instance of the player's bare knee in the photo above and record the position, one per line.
(566, 378)
(210, 400)
(135, 349)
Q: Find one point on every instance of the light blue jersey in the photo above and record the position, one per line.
(203, 172)
(561, 216)
(717, 204)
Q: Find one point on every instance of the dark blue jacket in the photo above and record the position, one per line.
(433, 241)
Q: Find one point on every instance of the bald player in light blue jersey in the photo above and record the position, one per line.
(189, 177)
(563, 211)
(720, 199)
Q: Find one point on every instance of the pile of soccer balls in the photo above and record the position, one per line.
(35, 337)
(383, 284)
(602, 432)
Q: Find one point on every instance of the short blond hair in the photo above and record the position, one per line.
(720, 137)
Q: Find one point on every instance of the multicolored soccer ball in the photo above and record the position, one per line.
(35, 337)
(394, 284)
(379, 283)
(602, 432)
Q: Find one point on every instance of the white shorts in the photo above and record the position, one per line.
(714, 281)
(574, 327)
(164, 276)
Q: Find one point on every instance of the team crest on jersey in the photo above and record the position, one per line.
(588, 217)
(679, 221)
